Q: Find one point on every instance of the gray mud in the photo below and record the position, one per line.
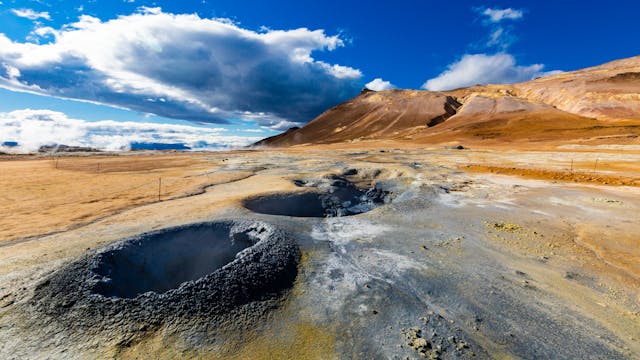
(164, 279)
(161, 261)
(332, 196)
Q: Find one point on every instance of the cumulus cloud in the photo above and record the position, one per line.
(31, 14)
(34, 128)
(183, 66)
(484, 69)
(497, 15)
(378, 84)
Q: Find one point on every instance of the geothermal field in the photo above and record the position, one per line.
(485, 222)
(380, 250)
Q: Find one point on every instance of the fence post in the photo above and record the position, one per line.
(159, 187)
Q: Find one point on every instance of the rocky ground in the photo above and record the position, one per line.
(436, 260)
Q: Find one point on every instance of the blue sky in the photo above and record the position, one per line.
(237, 71)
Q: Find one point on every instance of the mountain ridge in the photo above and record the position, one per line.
(583, 105)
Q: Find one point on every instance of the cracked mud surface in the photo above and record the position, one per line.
(447, 264)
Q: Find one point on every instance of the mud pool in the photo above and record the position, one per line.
(332, 197)
(162, 261)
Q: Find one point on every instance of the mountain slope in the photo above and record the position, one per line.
(372, 115)
(596, 103)
(608, 92)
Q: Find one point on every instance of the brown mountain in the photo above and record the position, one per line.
(595, 105)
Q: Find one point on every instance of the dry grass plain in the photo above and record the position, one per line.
(45, 195)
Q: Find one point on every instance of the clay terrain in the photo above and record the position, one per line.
(496, 221)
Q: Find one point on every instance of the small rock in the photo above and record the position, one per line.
(452, 339)
(420, 343)
(570, 275)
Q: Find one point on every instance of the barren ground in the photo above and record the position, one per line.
(486, 252)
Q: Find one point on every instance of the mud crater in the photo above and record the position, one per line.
(162, 261)
(184, 277)
(332, 196)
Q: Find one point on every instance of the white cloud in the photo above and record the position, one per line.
(494, 37)
(11, 72)
(31, 14)
(500, 35)
(341, 72)
(34, 128)
(149, 10)
(483, 69)
(497, 15)
(279, 125)
(501, 38)
(499, 68)
(378, 84)
(185, 67)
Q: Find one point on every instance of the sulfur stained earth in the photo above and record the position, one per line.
(472, 253)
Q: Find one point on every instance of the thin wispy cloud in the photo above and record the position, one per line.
(495, 65)
(498, 15)
(31, 14)
(184, 67)
(500, 30)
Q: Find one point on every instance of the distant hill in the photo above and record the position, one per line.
(65, 148)
(158, 146)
